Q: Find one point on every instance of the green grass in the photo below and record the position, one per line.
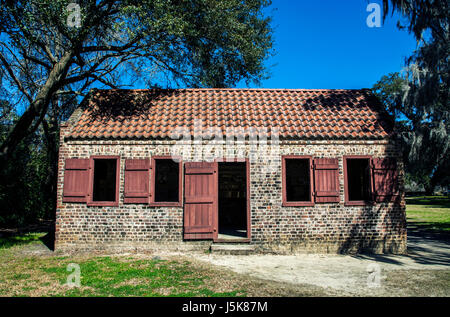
(8, 242)
(107, 276)
(429, 212)
(22, 274)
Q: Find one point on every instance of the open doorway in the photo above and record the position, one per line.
(232, 201)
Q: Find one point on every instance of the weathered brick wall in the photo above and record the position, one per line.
(327, 227)
(330, 227)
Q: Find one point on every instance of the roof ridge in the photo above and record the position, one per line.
(238, 89)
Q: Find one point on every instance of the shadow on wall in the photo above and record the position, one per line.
(425, 249)
(364, 237)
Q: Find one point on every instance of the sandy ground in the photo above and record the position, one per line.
(350, 274)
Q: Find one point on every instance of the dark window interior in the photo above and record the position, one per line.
(104, 180)
(166, 181)
(233, 199)
(358, 179)
(298, 182)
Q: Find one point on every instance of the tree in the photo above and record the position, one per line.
(419, 95)
(45, 55)
(24, 193)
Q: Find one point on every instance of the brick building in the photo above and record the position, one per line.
(281, 170)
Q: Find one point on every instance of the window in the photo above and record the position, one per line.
(166, 182)
(105, 181)
(297, 181)
(357, 179)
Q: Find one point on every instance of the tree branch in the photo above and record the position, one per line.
(14, 78)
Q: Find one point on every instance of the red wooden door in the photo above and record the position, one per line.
(200, 201)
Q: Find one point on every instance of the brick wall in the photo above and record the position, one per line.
(330, 227)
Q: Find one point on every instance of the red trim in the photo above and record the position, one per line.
(178, 203)
(357, 202)
(91, 182)
(283, 184)
(249, 220)
(216, 202)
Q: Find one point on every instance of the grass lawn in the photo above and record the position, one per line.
(106, 276)
(23, 275)
(26, 271)
(429, 212)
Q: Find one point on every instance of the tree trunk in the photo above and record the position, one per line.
(37, 108)
(440, 174)
(50, 183)
(429, 189)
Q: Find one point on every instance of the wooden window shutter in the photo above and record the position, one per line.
(137, 181)
(76, 180)
(326, 180)
(200, 205)
(385, 179)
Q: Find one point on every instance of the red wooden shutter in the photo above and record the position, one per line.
(76, 180)
(200, 205)
(137, 180)
(326, 180)
(385, 179)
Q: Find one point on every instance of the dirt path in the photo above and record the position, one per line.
(427, 259)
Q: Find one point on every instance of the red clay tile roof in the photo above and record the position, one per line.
(297, 113)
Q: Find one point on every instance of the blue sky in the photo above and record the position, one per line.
(327, 44)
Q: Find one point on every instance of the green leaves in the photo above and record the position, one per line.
(420, 92)
(47, 63)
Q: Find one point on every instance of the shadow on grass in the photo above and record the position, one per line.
(9, 242)
(430, 225)
(435, 201)
(436, 228)
(44, 232)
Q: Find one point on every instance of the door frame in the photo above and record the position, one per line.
(247, 180)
